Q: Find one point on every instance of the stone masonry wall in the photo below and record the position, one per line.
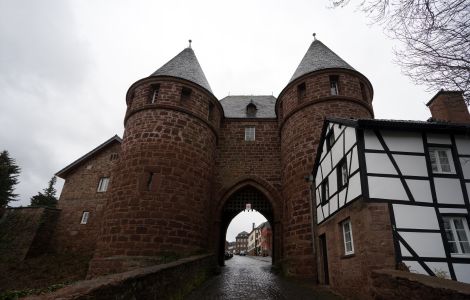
(168, 213)
(301, 128)
(80, 194)
(373, 247)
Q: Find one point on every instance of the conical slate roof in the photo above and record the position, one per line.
(185, 65)
(319, 57)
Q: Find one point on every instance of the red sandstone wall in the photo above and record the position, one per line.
(176, 141)
(301, 127)
(373, 247)
(78, 195)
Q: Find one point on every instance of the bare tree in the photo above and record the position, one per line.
(434, 36)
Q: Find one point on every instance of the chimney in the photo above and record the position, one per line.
(253, 226)
(449, 106)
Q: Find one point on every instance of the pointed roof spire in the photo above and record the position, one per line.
(319, 57)
(185, 65)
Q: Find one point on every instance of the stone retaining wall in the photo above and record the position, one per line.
(393, 284)
(167, 281)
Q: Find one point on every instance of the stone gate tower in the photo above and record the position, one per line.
(323, 85)
(160, 192)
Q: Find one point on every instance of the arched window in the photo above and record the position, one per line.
(251, 110)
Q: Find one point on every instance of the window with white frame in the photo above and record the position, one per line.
(347, 237)
(457, 234)
(103, 184)
(85, 216)
(249, 133)
(441, 160)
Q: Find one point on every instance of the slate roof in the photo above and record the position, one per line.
(235, 106)
(185, 65)
(62, 173)
(319, 57)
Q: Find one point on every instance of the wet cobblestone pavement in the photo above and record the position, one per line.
(248, 278)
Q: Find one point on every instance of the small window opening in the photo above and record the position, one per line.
(334, 82)
(363, 91)
(330, 140)
(342, 173)
(301, 92)
(150, 181)
(154, 93)
(103, 184)
(113, 156)
(249, 134)
(441, 160)
(325, 193)
(348, 237)
(85, 216)
(251, 110)
(185, 94)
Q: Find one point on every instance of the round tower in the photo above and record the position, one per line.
(160, 190)
(323, 85)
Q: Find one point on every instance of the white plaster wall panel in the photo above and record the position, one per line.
(342, 198)
(354, 162)
(441, 268)
(403, 141)
(467, 185)
(333, 204)
(462, 272)
(404, 251)
(386, 188)
(325, 211)
(435, 138)
(465, 163)
(318, 196)
(337, 151)
(332, 182)
(463, 144)
(448, 190)
(371, 141)
(453, 211)
(318, 178)
(337, 131)
(415, 267)
(425, 244)
(420, 189)
(319, 214)
(324, 151)
(349, 137)
(326, 165)
(379, 163)
(416, 217)
(354, 187)
(411, 165)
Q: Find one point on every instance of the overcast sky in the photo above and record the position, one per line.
(65, 66)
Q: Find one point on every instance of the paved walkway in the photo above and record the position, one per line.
(244, 277)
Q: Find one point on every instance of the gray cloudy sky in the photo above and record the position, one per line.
(65, 66)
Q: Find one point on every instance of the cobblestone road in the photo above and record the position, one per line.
(248, 278)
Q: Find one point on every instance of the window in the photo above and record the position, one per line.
(342, 173)
(103, 184)
(85, 216)
(334, 90)
(363, 91)
(251, 110)
(249, 133)
(301, 92)
(185, 94)
(330, 140)
(347, 237)
(441, 160)
(150, 181)
(154, 93)
(325, 193)
(457, 233)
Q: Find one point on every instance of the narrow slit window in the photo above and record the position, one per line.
(113, 156)
(457, 233)
(348, 238)
(330, 140)
(103, 184)
(325, 193)
(342, 173)
(334, 83)
(186, 94)
(150, 179)
(85, 216)
(154, 94)
(249, 134)
(301, 92)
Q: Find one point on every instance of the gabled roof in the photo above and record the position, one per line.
(242, 233)
(235, 106)
(319, 57)
(63, 173)
(185, 65)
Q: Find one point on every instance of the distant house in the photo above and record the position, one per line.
(241, 242)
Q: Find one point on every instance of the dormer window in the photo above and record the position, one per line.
(154, 93)
(251, 110)
(301, 92)
(185, 94)
(334, 82)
